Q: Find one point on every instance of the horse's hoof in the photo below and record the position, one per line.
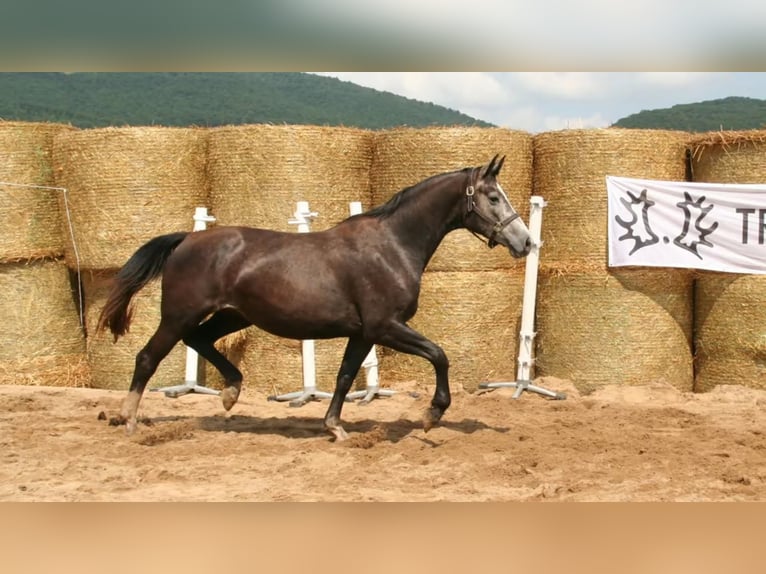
(339, 433)
(229, 397)
(130, 426)
(431, 418)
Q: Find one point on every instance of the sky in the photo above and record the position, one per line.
(548, 101)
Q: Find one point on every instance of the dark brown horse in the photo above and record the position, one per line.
(358, 280)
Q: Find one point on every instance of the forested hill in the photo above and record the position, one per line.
(97, 99)
(734, 113)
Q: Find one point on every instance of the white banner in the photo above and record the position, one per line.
(719, 227)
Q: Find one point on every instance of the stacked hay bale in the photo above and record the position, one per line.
(256, 175)
(126, 186)
(729, 334)
(598, 326)
(42, 342)
(470, 301)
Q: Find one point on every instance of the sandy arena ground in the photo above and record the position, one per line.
(618, 444)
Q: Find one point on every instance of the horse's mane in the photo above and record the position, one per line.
(386, 209)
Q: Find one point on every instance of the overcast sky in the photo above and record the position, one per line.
(546, 101)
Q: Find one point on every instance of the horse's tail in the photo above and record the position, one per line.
(143, 266)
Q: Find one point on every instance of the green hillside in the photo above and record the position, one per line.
(734, 113)
(97, 99)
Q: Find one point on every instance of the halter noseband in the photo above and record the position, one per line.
(497, 226)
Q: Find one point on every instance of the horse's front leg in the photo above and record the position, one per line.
(354, 355)
(403, 338)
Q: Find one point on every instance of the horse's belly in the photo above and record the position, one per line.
(300, 312)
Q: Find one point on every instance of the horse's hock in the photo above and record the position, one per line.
(599, 326)
(729, 335)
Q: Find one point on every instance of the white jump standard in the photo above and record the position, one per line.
(370, 363)
(302, 218)
(527, 333)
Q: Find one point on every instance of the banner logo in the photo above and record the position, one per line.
(681, 224)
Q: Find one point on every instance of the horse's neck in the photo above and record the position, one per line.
(427, 218)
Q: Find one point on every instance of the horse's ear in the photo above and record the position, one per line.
(493, 169)
(499, 165)
(487, 170)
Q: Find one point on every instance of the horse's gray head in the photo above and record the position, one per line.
(491, 214)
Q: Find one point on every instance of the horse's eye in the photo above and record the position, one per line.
(494, 200)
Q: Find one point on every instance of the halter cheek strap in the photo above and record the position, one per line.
(497, 226)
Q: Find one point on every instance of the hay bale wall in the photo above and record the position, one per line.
(111, 363)
(257, 173)
(474, 317)
(628, 327)
(729, 335)
(729, 332)
(596, 325)
(31, 224)
(570, 168)
(41, 342)
(128, 185)
(405, 156)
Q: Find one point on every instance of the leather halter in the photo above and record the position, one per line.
(497, 226)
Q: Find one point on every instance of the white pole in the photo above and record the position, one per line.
(201, 219)
(527, 332)
(302, 218)
(370, 363)
(190, 385)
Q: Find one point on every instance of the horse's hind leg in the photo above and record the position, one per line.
(147, 360)
(201, 339)
(356, 351)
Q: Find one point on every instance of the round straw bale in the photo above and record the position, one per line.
(474, 317)
(31, 225)
(42, 342)
(126, 186)
(729, 157)
(628, 327)
(111, 362)
(257, 173)
(729, 337)
(406, 156)
(729, 334)
(570, 170)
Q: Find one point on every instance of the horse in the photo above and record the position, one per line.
(358, 280)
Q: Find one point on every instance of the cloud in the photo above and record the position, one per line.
(552, 123)
(673, 79)
(566, 85)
